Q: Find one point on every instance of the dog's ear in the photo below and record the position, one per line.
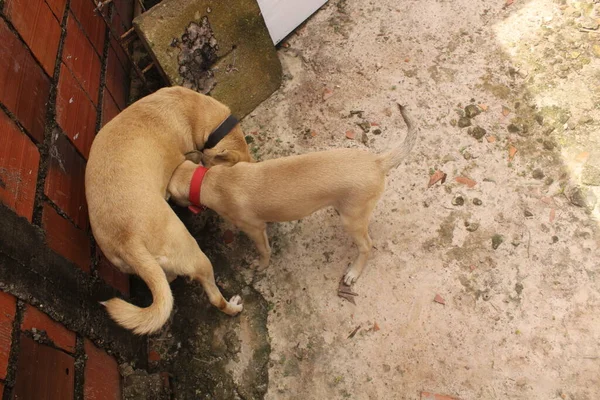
(194, 156)
(222, 157)
(229, 157)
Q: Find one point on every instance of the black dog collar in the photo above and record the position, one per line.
(221, 131)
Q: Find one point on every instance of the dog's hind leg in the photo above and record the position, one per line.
(356, 223)
(258, 234)
(183, 256)
(205, 274)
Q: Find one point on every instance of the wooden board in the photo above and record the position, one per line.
(283, 16)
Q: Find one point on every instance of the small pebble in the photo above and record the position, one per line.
(477, 201)
(497, 241)
(472, 111)
(471, 226)
(463, 122)
(512, 128)
(458, 201)
(477, 132)
(538, 174)
(548, 145)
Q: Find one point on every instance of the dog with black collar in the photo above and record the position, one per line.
(131, 162)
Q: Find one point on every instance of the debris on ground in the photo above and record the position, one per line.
(471, 226)
(439, 299)
(463, 122)
(346, 292)
(470, 183)
(477, 132)
(365, 126)
(497, 241)
(438, 176)
(350, 135)
(471, 111)
(353, 333)
(458, 201)
(512, 150)
(434, 396)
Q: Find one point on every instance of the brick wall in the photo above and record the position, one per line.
(40, 358)
(62, 76)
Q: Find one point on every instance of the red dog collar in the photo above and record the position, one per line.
(195, 187)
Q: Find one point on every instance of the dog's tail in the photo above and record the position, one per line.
(152, 318)
(394, 157)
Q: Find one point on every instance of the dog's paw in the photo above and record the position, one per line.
(259, 265)
(235, 305)
(350, 277)
(263, 262)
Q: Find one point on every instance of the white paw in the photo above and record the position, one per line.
(259, 265)
(236, 304)
(350, 278)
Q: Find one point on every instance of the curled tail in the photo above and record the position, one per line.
(152, 318)
(394, 157)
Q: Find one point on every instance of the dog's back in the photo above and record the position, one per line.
(129, 167)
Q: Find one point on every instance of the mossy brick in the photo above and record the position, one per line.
(244, 69)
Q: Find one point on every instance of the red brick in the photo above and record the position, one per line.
(39, 28)
(64, 238)
(92, 23)
(65, 183)
(57, 7)
(102, 378)
(81, 58)
(24, 87)
(59, 335)
(75, 113)
(110, 109)
(112, 275)
(8, 308)
(43, 372)
(19, 161)
(117, 79)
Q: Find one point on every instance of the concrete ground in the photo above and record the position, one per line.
(510, 248)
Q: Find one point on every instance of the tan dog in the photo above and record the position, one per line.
(290, 188)
(131, 162)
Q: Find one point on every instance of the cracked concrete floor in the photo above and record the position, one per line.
(520, 321)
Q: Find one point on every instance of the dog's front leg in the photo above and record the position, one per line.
(258, 234)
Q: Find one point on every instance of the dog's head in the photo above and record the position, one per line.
(231, 150)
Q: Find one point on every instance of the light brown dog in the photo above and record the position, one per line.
(290, 188)
(131, 162)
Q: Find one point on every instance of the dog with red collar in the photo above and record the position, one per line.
(289, 188)
(131, 162)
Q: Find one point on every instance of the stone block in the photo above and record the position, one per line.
(220, 48)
